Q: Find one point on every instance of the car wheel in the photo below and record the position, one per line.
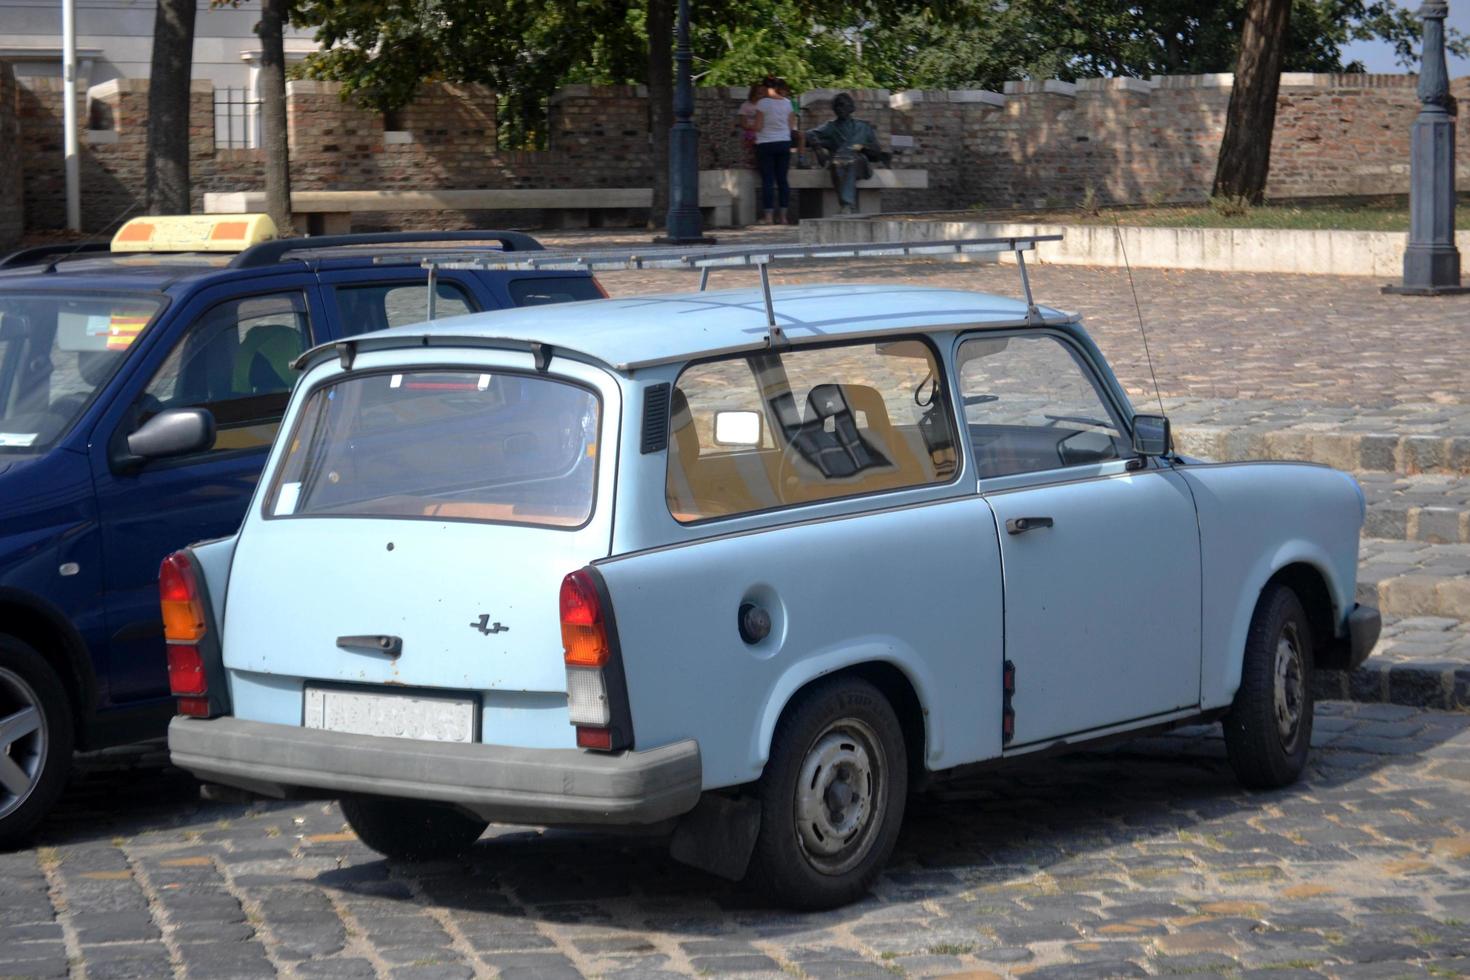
(1268, 730)
(36, 739)
(411, 830)
(832, 797)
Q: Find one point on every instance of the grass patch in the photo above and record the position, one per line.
(951, 949)
(1388, 214)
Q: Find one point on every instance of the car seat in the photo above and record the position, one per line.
(263, 361)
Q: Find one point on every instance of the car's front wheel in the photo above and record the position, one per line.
(411, 830)
(1268, 730)
(832, 797)
(36, 739)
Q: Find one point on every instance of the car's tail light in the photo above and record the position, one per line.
(597, 700)
(600, 288)
(185, 629)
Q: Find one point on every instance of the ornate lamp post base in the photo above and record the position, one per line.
(684, 224)
(1432, 262)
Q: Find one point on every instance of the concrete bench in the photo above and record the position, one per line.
(813, 196)
(330, 212)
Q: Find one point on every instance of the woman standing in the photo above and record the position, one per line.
(774, 121)
(745, 122)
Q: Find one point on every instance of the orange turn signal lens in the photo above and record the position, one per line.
(183, 607)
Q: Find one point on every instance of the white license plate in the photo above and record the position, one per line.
(432, 719)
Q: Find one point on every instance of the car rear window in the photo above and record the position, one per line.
(443, 445)
(553, 289)
(771, 430)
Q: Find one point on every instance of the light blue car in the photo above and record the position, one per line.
(649, 561)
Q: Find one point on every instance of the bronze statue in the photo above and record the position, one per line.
(848, 148)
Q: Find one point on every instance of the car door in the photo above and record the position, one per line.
(1100, 556)
(233, 357)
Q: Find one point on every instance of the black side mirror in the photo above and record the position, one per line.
(173, 432)
(1151, 436)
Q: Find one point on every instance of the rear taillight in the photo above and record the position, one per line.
(185, 626)
(600, 288)
(596, 692)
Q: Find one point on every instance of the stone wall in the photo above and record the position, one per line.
(1037, 144)
(12, 206)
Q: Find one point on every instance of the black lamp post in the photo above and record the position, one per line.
(1432, 262)
(684, 225)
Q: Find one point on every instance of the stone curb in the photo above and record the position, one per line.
(1351, 451)
(1402, 596)
(1418, 685)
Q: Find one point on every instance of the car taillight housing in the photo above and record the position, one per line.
(185, 627)
(597, 700)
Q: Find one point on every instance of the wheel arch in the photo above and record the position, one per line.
(46, 629)
(1310, 585)
(897, 684)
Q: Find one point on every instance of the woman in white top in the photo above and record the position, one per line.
(774, 121)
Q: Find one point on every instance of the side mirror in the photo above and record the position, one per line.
(1151, 435)
(738, 428)
(173, 432)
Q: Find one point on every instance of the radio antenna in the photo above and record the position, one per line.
(1137, 308)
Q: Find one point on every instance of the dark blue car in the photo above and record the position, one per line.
(107, 462)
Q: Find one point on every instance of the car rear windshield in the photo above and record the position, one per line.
(443, 445)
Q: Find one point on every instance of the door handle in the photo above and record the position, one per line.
(1020, 525)
(390, 646)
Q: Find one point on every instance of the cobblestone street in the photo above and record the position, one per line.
(1144, 859)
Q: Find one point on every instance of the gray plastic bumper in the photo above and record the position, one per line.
(1363, 626)
(497, 782)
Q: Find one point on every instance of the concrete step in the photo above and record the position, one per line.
(1406, 439)
(1420, 661)
(1414, 578)
(1433, 508)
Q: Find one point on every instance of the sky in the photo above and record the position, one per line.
(1378, 56)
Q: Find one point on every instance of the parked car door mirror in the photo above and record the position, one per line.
(1151, 436)
(173, 432)
(738, 428)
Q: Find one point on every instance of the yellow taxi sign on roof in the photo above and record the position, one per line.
(194, 233)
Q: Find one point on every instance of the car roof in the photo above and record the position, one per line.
(640, 331)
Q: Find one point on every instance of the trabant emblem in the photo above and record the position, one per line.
(486, 627)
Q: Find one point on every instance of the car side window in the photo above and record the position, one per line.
(379, 306)
(775, 429)
(235, 360)
(1031, 403)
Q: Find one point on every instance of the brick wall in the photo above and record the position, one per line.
(12, 207)
(1038, 143)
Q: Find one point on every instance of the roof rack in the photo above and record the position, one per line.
(57, 250)
(269, 253)
(742, 256)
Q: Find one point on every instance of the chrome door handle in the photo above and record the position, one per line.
(1020, 525)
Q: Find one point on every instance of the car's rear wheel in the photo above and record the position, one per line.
(36, 739)
(1268, 730)
(411, 830)
(832, 797)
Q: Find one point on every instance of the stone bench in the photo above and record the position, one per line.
(812, 193)
(330, 212)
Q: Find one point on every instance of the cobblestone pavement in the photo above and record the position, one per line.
(1146, 859)
(1333, 339)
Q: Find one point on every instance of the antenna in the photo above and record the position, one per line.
(1118, 232)
(92, 238)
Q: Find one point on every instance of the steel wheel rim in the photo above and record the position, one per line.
(1290, 686)
(23, 743)
(841, 796)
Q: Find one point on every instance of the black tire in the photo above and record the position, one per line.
(1268, 731)
(36, 747)
(411, 830)
(844, 735)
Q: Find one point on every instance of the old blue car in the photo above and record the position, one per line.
(746, 564)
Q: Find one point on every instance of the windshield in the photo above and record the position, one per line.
(443, 445)
(55, 352)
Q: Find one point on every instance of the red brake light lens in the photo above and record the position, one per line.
(583, 633)
(594, 738)
(183, 608)
(186, 671)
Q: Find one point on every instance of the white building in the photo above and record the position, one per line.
(115, 40)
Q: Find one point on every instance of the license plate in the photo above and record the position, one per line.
(429, 718)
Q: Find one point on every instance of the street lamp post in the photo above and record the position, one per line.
(1432, 262)
(684, 225)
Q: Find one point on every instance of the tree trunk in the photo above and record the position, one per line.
(166, 176)
(1245, 151)
(660, 102)
(273, 134)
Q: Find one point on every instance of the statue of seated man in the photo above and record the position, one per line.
(847, 147)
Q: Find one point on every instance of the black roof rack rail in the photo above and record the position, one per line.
(57, 250)
(269, 253)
